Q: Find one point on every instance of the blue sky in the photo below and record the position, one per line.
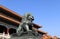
(45, 12)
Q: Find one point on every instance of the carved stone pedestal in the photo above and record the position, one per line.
(25, 35)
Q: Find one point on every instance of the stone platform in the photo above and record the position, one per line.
(25, 35)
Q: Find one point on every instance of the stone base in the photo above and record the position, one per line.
(25, 35)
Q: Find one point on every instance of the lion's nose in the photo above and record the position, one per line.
(32, 18)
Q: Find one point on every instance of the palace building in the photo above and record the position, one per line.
(10, 20)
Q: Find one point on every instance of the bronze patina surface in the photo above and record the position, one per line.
(25, 29)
